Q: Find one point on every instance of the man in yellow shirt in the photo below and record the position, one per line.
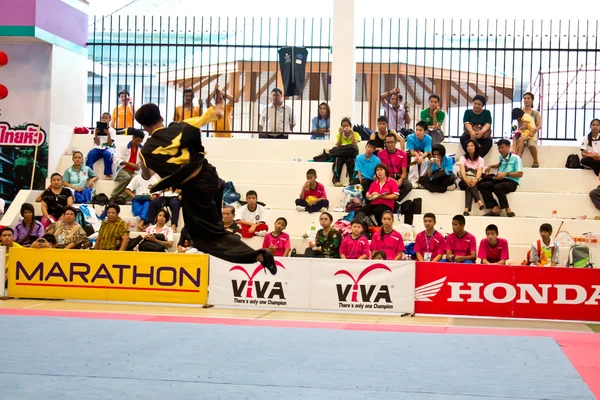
(122, 116)
(187, 110)
(222, 127)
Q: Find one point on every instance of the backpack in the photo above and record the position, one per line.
(101, 199)
(348, 151)
(579, 257)
(573, 162)
(80, 219)
(323, 157)
(539, 251)
(366, 222)
(229, 193)
(363, 131)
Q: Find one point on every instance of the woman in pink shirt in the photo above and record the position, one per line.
(388, 240)
(382, 194)
(278, 242)
(471, 168)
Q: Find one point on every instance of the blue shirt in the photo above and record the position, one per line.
(446, 164)
(413, 143)
(366, 167)
(78, 178)
(319, 124)
(512, 163)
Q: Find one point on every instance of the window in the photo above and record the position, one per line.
(153, 94)
(94, 93)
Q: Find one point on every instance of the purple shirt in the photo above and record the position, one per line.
(396, 119)
(22, 234)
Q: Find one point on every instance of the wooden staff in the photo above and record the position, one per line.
(37, 141)
(558, 230)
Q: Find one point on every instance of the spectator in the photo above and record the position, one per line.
(228, 219)
(103, 147)
(378, 255)
(160, 227)
(544, 252)
(122, 116)
(128, 162)
(47, 241)
(321, 123)
(537, 120)
(356, 245)
(347, 139)
(55, 199)
(365, 167)
(68, 233)
(378, 137)
(510, 171)
(187, 110)
(526, 131)
(327, 242)
(114, 232)
(397, 115)
(492, 249)
(397, 163)
(434, 116)
(222, 127)
(440, 176)
(28, 230)
(312, 195)
(590, 148)
(138, 190)
(471, 168)
(6, 239)
(429, 244)
(80, 178)
(277, 118)
(168, 198)
(419, 148)
(382, 194)
(461, 246)
(387, 239)
(595, 197)
(253, 218)
(478, 126)
(278, 242)
(185, 242)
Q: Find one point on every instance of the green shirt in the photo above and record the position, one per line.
(440, 115)
(478, 119)
(346, 141)
(329, 244)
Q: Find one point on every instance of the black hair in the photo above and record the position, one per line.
(392, 136)
(382, 118)
(435, 96)
(476, 153)
(107, 113)
(282, 219)
(503, 142)
(429, 215)
(382, 214)
(517, 113)
(229, 206)
(77, 152)
(311, 172)
(460, 219)
(529, 94)
(479, 97)
(27, 207)
(55, 174)
(371, 143)
(124, 91)
(50, 238)
(7, 228)
(328, 215)
(546, 228)
(251, 193)
(440, 149)
(378, 253)
(148, 115)
(328, 111)
(115, 206)
(188, 91)
(589, 136)
(383, 167)
(346, 119)
(134, 132)
(70, 208)
(423, 125)
(167, 215)
(356, 221)
(277, 90)
(400, 98)
(492, 228)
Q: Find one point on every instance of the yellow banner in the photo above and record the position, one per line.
(108, 275)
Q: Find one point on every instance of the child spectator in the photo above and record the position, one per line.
(492, 249)
(139, 191)
(382, 194)
(80, 178)
(347, 140)
(397, 162)
(103, 147)
(278, 242)
(440, 177)
(327, 241)
(355, 246)
(429, 244)
(122, 115)
(185, 242)
(471, 168)
(365, 167)
(461, 246)
(590, 147)
(526, 129)
(418, 146)
(229, 223)
(253, 218)
(378, 255)
(537, 119)
(388, 240)
(378, 137)
(544, 251)
(312, 196)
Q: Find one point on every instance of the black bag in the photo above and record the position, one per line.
(406, 209)
(364, 132)
(573, 162)
(344, 151)
(150, 246)
(101, 199)
(366, 222)
(323, 157)
(417, 207)
(134, 242)
(80, 219)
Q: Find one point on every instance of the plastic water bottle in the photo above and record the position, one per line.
(313, 231)
(554, 212)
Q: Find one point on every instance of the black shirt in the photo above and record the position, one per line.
(56, 203)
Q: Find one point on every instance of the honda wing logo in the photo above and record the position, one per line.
(255, 292)
(429, 290)
(364, 296)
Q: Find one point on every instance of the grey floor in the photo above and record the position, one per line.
(64, 358)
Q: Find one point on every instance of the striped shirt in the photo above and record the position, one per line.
(110, 234)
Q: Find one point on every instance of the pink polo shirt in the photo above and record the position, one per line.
(281, 243)
(461, 246)
(391, 244)
(354, 248)
(395, 161)
(390, 186)
(318, 192)
(493, 255)
(434, 244)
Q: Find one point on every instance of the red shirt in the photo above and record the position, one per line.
(354, 248)
(132, 158)
(281, 243)
(493, 255)
(318, 192)
(434, 244)
(461, 246)
(395, 161)
(390, 186)
(391, 244)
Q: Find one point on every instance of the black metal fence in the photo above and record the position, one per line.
(157, 58)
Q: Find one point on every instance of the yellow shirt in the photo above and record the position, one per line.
(182, 113)
(222, 127)
(122, 117)
(15, 245)
(528, 123)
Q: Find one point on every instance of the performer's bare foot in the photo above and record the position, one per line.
(267, 261)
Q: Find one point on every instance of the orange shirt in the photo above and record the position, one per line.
(222, 127)
(182, 113)
(122, 117)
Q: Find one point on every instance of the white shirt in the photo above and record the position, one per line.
(104, 139)
(123, 153)
(594, 148)
(277, 119)
(253, 216)
(140, 186)
(166, 230)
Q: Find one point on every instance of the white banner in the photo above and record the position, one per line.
(249, 285)
(362, 285)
